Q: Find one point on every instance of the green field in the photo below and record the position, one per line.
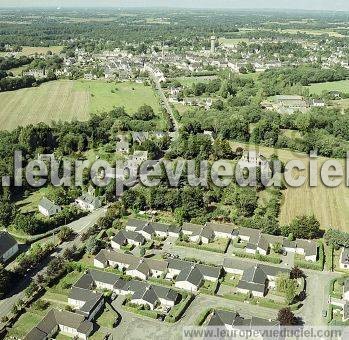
(31, 50)
(317, 89)
(68, 100)
(329, 205)
(229, 42)
(189, 81)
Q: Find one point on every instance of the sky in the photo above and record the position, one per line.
(334, 5)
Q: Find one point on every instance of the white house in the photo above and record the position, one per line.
(88, 202)
(48, 208)
(8, 246)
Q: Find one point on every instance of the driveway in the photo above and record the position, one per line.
(318, 284)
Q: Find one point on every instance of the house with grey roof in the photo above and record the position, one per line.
(123, 147)
(133, 223)
(190, 279)
(253, 281)
(88, 202)
(256, 280)
(189, 275)
(125, 237)
(98, 279)
(56, 321)
(256, 240)
(140, 137)
(147, 267)
(142, 227)
(234, 265)
(134, 266)
(204, 235)
(85, 302)
(108, 258)
(344, 258)
(190, 228)
(160, 229)
(231, 320)
(148, 229)
(307, 248)
(262, 243)
(8, 246)
(48, 208)
(174, 231)
(222, 230)
(155, 296)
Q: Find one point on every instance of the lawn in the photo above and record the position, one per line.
(330, 205)
(64, 285)
(71, 100)
(106, 319)
(229, 42)
(219, 245)
(31, 50)
(30, 203)
(341, 85)
(189, 81)
(24, 324)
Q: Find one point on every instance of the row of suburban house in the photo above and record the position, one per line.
(137, 232)
(262, 243)
(256, 280)
(87, 302)
(187, 275)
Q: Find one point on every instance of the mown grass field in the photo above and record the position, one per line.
(229, 42)
(189, 81)
(69, 100)
(31, 50)
(329, 205)
(342, 85)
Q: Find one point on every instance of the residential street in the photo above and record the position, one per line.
(161, 330)
(166, 103)
(79, 227)
(317, 282)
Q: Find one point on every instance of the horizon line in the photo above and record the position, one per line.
(174, 8)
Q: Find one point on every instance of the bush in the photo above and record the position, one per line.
(236, 296)
(203, 246)
(203, 316)
(178, 310)
(148, 313)
(41, 305)
(264, 258)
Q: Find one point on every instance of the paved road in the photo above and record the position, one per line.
(84, 223)
(139, 328)
(166, 103)
(79, 227)
(318, 284)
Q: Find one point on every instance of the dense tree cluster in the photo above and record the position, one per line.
(337, 238)
(274, 81)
